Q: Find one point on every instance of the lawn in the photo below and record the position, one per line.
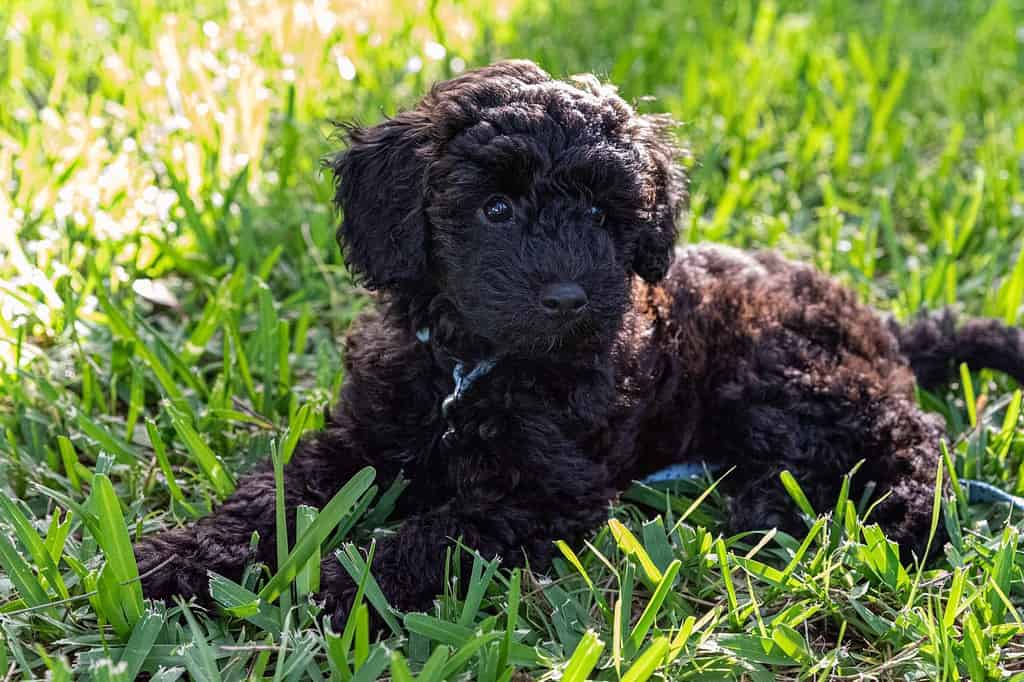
(172, 302)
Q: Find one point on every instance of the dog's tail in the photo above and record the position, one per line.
(935, 344)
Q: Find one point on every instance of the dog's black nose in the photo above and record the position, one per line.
(563, 298)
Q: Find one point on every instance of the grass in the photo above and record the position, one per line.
(171, 301)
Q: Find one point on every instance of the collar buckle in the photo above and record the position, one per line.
(463, 381)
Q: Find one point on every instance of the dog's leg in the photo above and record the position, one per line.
(903, 462)
(517, 489)
(409, 565)
(818, 443)
(177, 562)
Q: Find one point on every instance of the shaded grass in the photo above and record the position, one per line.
(171, 301)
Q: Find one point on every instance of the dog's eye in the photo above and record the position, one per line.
(597, 214)
(498, 210)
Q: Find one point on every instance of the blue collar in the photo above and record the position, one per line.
(463, 379)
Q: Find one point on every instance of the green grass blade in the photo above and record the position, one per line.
(631, 547)
(432, 669)
(375, 664)
(140, 643)
(796, 492)
(400, 668)
(295, 430)
(325, 522)
(281, 527)
(482, 574)
(730, 587)
(648, 661)
(34, 544)
(210, 464)
(461, 658)
(1001, 572)
(197, 652)
(57, 534)
(511, 618)
(106, 440)
(160, 450)
(650, 612)
(584, 658)
(120, 326)
(112, 536)
(241, 603)
(359, 570)
(970, 402)
(308, 579)
(70, 460)
(20, 573)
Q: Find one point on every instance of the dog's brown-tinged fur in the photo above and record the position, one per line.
(463, 212)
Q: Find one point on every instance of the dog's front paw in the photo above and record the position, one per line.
(338, 601)
(167, 567)
(337, 592)
(338, 608)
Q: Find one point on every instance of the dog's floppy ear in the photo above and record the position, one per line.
(379, 186)
(656, 244)
(380, 178)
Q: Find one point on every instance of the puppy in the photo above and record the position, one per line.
(539, 343)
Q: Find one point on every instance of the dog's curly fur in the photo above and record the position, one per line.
(706, 353)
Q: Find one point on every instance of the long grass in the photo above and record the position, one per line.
(171, 304)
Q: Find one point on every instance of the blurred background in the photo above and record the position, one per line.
(167, 255)
(882, 140)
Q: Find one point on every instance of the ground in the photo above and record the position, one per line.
(171, 302)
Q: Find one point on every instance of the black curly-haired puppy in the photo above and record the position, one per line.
(521, 232)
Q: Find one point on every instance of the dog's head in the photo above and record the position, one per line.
(526, 204)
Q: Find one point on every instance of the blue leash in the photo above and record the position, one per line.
(978, 492)
(681, 472)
